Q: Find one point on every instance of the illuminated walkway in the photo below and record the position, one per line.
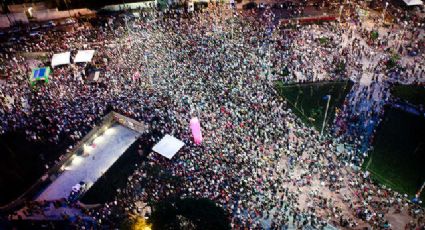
(106, 149)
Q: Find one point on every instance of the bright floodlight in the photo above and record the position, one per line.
(109, 131)
(87, 148)
(98, 140)
(77, 160)
(30, 11)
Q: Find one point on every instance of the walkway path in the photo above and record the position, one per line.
(369, 92)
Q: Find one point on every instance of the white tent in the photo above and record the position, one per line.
(96, 76)
(61, 59)
(168, 146)
(413, 2)
(84, 56)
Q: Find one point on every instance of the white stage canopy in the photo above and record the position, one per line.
(61, 59)
(84, 56)
(413, 2)
(168, 146)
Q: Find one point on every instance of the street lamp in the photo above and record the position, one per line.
(328, 97)
(30, 12)
(383, 13)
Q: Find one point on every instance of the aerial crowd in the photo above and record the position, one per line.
(258, 161)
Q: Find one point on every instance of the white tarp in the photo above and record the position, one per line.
(96, 76)
(61, 59)
(168, 146)
(413, 2)
(84, 56)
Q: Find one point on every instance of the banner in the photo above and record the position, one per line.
(195, 126)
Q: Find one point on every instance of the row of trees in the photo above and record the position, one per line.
(184, 214)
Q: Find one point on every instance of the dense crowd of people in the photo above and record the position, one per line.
(258, 160)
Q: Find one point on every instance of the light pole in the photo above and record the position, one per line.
(340, 12)
(418, 194)
(67, 7)
(383, 13)
(326, 114)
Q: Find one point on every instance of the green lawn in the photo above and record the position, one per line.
(306, 99)
(410, 93)
(398, 158)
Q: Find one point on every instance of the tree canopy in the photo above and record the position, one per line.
(189, 213)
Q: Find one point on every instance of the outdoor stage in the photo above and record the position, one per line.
(102, 154)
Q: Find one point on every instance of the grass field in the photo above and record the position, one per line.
(306, 100)
(398, 157)
(412, 94)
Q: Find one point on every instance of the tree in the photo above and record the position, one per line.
(135, 223)
(324, 41)
(189, 213)
(393, 61)
(374, 35)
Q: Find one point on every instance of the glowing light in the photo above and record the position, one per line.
(110, 131)
(77, 160)
(30, 11)
(98, 140)
(87, 148)
(140, 223)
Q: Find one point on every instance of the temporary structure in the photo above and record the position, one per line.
(40, 74)
(168, 146)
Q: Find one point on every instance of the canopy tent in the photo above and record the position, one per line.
(84, 56)
(413, 2)
(168, 146)
(40, 74)
(61, 59)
